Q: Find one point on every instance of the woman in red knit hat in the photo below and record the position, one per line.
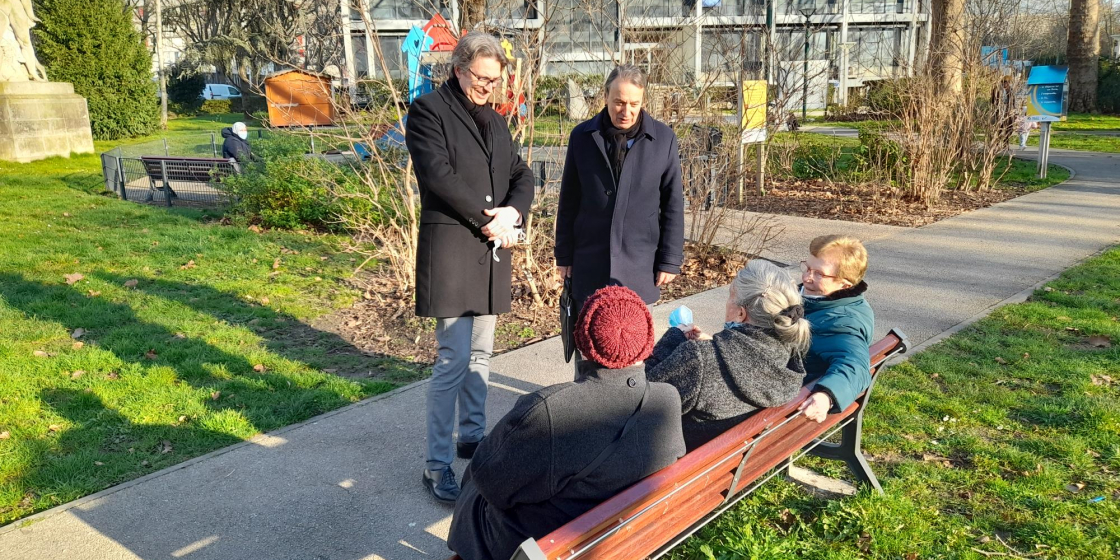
(564, 449)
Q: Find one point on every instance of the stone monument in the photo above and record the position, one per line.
(38, 118)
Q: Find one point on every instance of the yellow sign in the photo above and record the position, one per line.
(754, 111)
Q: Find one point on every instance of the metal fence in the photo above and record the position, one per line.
(167, 180)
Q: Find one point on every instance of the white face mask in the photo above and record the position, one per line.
(243, 134)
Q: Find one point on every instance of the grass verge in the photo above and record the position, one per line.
(1002, 441)
(1080, 141)
(134, 337)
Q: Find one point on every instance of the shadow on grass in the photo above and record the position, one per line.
(281, 333)
(162, 375)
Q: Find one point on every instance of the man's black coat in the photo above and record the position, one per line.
(625, 233)
(456, 275)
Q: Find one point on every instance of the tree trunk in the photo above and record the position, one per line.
(471, 13)
(1083, 51)
(947, 44)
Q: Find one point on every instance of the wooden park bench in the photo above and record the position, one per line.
(162, 170)
(659, 512)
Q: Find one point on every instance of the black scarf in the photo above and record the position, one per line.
(480, 114)
(618, 141)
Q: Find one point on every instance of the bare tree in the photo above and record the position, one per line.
(240, 37)
(1082, 53)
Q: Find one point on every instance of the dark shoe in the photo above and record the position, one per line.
(441, 484)
(466, 449)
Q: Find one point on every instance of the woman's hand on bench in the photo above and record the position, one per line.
(816, 407)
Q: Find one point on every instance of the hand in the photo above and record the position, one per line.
(664, 278)
(504, 222)
(816, 407)
(692, 332)
(508, 241)
(564, 271)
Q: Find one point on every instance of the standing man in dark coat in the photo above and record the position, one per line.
(474, 192)
(621, 214)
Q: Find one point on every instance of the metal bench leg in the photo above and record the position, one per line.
(529, 550)
(848, 450)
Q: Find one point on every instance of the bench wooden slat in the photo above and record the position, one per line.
(643, 519)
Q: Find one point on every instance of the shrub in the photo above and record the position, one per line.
(1108, 88)
(888, 96)
(295, 192)
(877, 152)
(216, 106)
(92, 44)
(184, 87)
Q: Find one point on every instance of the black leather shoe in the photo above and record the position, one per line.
(441, 485)
(465, 449)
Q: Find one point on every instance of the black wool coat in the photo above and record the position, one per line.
(621, 233)
(458, 178)
(521, 483)
(234, 147)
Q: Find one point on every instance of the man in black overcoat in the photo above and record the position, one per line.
(475, 190)
(621, 213)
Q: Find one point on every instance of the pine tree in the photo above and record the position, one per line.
(92, 44)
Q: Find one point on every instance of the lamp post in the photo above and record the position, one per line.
(808, 13)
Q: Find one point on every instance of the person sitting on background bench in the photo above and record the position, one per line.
(236, 143)
(564, 449)
(843, 324)
(754, 362)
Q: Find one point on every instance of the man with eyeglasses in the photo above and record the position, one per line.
(475, 190)
(842, 324)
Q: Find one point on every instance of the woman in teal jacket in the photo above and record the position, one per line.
(842, 324)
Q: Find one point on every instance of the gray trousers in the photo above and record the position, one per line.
(460, 374)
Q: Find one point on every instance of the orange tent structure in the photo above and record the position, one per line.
(299, 98)
(443, 38)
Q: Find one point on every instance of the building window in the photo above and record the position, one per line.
(582, 26)
(658, 8)
(511, 9)
(407, 9)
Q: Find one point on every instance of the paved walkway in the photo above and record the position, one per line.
(345, 485)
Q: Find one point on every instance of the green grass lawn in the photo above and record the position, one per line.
(976, 440)
(1080, 141)
(180, 336)
(1085, 121)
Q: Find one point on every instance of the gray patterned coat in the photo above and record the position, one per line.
(724, 380)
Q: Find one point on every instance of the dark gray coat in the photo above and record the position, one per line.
(723, 380)
(233, 147)
(514, 487)
(458, 179)
(625, 233)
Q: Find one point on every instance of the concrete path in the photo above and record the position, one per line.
(345, 485)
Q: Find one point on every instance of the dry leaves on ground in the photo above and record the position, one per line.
(74, 278)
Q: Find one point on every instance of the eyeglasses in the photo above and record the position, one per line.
(483, 80)
(805, 269)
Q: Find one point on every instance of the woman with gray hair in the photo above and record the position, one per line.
(474, 192)
(754, 362)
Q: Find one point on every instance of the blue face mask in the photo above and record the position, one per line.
(731, 325)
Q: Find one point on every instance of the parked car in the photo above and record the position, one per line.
(220, 91)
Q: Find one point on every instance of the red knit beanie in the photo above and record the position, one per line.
(615, 330)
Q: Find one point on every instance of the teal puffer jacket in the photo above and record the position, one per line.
(838, 359)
